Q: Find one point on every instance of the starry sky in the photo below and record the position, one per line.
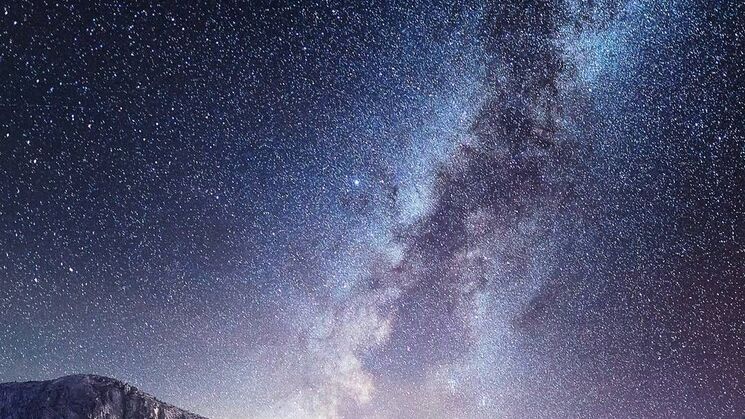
(396, 209)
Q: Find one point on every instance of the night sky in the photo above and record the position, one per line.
(388, 210)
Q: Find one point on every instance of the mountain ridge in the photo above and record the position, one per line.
(83, 396)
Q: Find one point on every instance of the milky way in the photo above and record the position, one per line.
(386, 210)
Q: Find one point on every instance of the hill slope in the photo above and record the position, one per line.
(83, 397)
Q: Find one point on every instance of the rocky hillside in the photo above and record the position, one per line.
(83, 397)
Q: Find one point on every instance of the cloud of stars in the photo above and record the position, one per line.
(399, 209)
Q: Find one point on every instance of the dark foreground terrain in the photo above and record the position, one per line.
(83, 397)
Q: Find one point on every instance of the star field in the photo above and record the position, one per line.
(404, 209)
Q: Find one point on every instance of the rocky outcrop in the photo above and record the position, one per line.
(83, 397)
